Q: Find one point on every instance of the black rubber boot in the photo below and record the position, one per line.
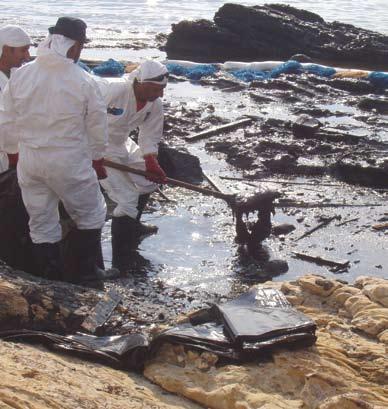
(144, 229)
(141, 204)
(127, 233)
(89, 246)
(83, 257)
(124, 241)
(100, 258)
(47, 258)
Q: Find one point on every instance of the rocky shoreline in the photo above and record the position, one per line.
(275, 32)
(328, 147)
(346, 368)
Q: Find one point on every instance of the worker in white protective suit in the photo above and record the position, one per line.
(139, 95)
(61, 122)
(14, 51)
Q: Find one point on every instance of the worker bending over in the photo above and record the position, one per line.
(139, 95)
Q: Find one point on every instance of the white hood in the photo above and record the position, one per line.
(53, 50)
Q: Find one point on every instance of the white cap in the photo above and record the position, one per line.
(150, 70)
(13, 36)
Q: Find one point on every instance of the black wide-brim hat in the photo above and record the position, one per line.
(70, 27)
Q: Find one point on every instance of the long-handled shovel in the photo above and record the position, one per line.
(229, 198)
(261, 202)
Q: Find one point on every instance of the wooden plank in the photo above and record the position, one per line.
(219, 129)
(348, 221)
(306, 205)
(381, 226)
(319, 226)
(281, 181)
(322, 260)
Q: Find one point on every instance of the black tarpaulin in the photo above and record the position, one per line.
(121, 351)
(263, 314)
(208, 337)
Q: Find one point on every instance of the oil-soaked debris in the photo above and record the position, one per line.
(263, 204)
(336, 140)
(306, 146)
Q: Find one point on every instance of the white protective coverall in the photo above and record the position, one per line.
(125, 188)
(59, 126)
(3, 155)
(12, 36)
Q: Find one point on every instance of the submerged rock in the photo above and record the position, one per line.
(275, 267)
(361, 173)
(180, 164)
(274, 32)
(378, 104)
(305, 126)
(284, 228)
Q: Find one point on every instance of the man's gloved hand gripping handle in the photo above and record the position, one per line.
(152, 166)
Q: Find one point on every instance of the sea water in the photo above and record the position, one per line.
(116, 23)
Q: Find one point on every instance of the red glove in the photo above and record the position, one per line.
(152, 166)
(12, 160)
(98, 166)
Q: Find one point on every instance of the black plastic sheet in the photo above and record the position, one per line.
(263, 314)
(120, 351)
(208, 337)
(253, 325)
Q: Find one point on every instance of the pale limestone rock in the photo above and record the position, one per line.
(317, 285)
(341, 294)
(383, 337)
(362, 281)
(372, 321)
(358, 303)
(346, 401)
(377, 293)
(33, 378)
(318, 387)
(293, 292)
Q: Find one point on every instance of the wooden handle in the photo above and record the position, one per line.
(170, 181)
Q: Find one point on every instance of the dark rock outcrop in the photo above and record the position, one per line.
(275, 32)
(361, 173)
(180, 164)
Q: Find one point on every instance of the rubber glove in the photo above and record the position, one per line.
(98, 166)
(12, 160)
(152, 166)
